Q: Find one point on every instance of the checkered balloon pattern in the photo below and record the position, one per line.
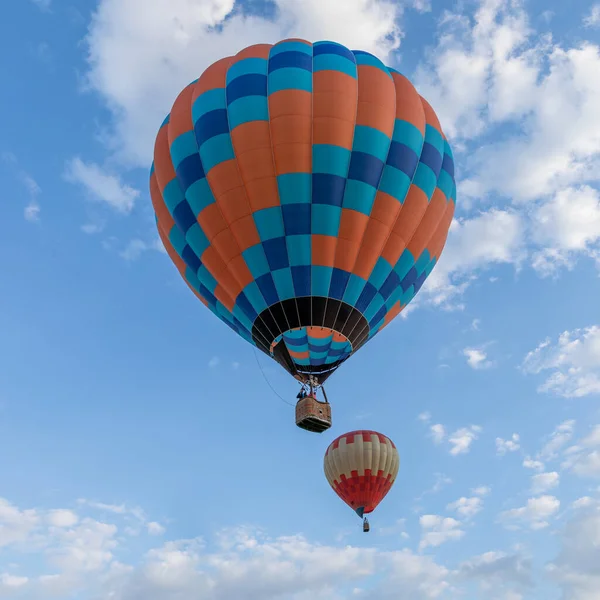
(361, 467)
(304, 192)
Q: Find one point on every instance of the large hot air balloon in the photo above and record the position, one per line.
(361, 467)
(304, 191)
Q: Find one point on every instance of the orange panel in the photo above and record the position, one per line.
(224, 177)
(428, 224)
(392, 314)
(323, 250)
(436, 243)
(393, 249)
(352, 225)
(430, 115)
(256, 164)
(224, 298)
(291, 129)
(375, 116)
(376, 87)
(327, 130)
(293, 158)
(245, 232)
(239, 269)
(226, 245)
(229, 283)
(215, 76)
(163, 166)
(211, 220)
(338, 337)
(180, 120)
(295, 354)
(413, 209)
(262, 193)
(376, 234)
(290, 102)
(251, 135)
(301, 40)
(410, 107)
(213, 262)
(335, 81)
(234, 205)
(386, 209)
(318, 332)
(335, 104)
(256, 51)
(346, 254)
(366, 260)
(160, 208)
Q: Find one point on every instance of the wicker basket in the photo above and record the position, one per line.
(313, 415)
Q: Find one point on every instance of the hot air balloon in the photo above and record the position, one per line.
(361, 467)
(304, 192)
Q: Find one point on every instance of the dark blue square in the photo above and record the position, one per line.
(245, 306)
(334, 49)
(420, 281)
(207, 295)
(378, 316)
(211, 124)
(339, 280)
(183, 216)
(276, 253)
(403, 158)
(432, 158)
(366, 168)
(409, 279)
(251, 84)
(190, 259)
(292, 58)
(267, 288)
(448, 165)
(389, 285)
(328, 189)
(365, 297)
(301, 279)
(189, 170)
(296, 218)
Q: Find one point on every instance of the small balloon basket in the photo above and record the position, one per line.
(313, 415)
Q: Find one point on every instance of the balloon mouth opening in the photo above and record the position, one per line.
(360, 511)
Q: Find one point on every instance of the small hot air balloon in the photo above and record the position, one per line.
(361, 467)
(304, 192)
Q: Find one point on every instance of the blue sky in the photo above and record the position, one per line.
(133, 460)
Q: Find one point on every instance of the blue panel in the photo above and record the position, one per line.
(245, 67)
(395, 183)
(374, 306)
(406, 133)
(334, 62)
(296, 218)
(328, 189)
(245, 110)
(269, 223)
(276, 253)
(189, 170)
(370, 141)
(425, 179)
(294, 188)
(256, 260)
(291, 47)
(366, 168)
(409, 279)
(299, 249)
(210, 125)
(177, 240)
(255, 297)
(391, 283)
(420, 281)
(404, 264)
(183, 216)
(290, 79)
(422, 262)
(365, 297)
(291, 58)
(182, 146)
(325, 219)
(199, 196)
(448, 165)
(432, 158)
(320, 48)
(359, 196)
(243, 311)
(379, 316)
(353, 289)
(339, 280)
(190, 259)
(364, 58)
(445, 183)
(216, 150)
(321, 276)
(172, 194)
(207, 102)
(380, 272)
(434, 137)
(329, 159)
(205, 278)
(284, 283)
(267, 287)
(403, 158)
(252, 84)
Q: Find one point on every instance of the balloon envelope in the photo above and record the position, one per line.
(304, 191)
(361, 467)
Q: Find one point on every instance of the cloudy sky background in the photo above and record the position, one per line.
(142, 453)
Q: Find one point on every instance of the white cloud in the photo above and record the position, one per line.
(438, 433)
(139, 65)
(557, 439)
(214, 362)
(155, 528)
(32, 210)
(476, 324)
(542, 482)
(573, 363)
(466, 507)
(584, 457)
(477, 358)
(136, 247)
(592, 19)
(534, 514)
(425, 417)
(536, 465)
(437, 530)
(101, 186)
(462, 439)
(583, 502)
(482, 490)
(62, 518)
(511, 445)
(43, 4)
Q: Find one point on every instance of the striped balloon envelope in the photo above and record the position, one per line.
(304, 191)
(361, 467)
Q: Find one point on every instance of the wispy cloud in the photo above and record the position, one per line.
(31, 212)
